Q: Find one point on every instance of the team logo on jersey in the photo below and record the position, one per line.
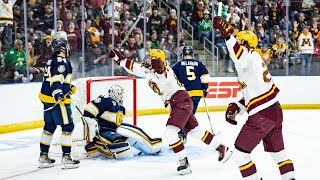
(61, 68)
(49, 62)
(114, 103)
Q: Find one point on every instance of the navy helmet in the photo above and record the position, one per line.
(61, 45)
(187, 50)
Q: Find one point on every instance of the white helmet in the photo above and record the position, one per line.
(116, 93)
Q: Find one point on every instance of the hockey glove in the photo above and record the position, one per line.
(158, 66)
(231, 113)
(223, 26)
(116, 56)
(73, 89)
(59, 97)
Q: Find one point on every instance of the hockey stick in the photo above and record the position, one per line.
(205, 104)
(86, 137)
(55, 104)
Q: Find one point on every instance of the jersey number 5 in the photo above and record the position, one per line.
(190, 73)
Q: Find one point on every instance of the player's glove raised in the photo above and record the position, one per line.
(223, 26)
(116, 56)
(231, 113)
(158, 65)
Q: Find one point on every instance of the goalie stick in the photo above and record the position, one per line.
(86, 134)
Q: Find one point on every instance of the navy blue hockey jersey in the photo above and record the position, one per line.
(57, 78)
(193, 75)
(108, 112)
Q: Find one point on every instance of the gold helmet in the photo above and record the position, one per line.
(248, 37)
(157, 53)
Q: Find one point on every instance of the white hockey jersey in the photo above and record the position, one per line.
(165, 85)
(6, 11)
(306, 44)
(255, 82)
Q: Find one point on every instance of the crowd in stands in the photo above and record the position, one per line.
(268, 21)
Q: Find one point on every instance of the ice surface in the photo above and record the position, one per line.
(19, 153)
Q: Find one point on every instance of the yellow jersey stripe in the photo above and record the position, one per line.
(239, 52)
(262, 97)
(246, 166)
(284, 163)
(195, 93)
(205, 136)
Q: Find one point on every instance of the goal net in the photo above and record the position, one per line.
(89, 89)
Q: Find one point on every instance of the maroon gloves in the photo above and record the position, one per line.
(223, 26)
(158, 66)
(232, 111)
(116, 56)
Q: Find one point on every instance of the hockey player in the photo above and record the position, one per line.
(194, 76)
(114, 137)
(259, 101)
(163, 81)
(55, 96)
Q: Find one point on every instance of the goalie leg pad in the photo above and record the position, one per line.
(140, 139)
(285, 165)
(247, 167)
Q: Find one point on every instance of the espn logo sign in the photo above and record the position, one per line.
(223, 89)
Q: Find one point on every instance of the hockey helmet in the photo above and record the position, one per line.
(247, 38)
(61, 45)
(116, 93)
(157, 53)
(187, 50)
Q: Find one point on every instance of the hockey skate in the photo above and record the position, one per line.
(45, 161)
(224, 153)
(184, 166)
(68, 162)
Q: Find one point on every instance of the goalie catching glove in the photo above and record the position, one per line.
(116, 56)
(158, 65)
(223, 26)
(231, 113)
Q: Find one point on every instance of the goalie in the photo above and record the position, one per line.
(110, 137)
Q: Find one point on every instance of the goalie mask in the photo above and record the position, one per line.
(116, 93)
(247, 38)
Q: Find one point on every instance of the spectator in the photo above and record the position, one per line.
(155, 22)
(276, 33)
(293, 49)
(301, 21)
(6, 21)
(16, 57)
(231, 12)
(44, 51)
(94, 59)
(283, 24)
(107, 28)
(263, 37)
(306, 48)
(278, 54)
(170, 24)
(154, 40)
(274, 15)
(73, 37)
(131, 49)
(197, 16)
(265, 54)
(116, 9)
(35, 71)
(143, 52)
(60, 31)
(47, 19)
(186, 11)
(264, 23)
(205, 27)
(92, 33)
(18, 17)
(126, 19)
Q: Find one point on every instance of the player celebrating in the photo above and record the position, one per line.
(259, 100)
(115, 139)
(55, 96)
(194, 76)
(162, 81)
